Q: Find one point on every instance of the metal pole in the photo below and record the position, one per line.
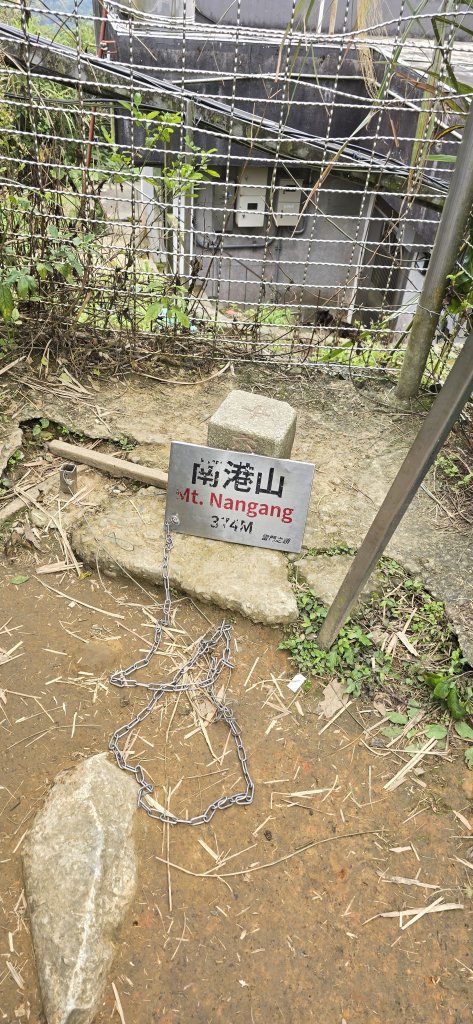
(433, 432)
(450, 232)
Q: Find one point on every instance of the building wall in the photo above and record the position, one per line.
(324, 15)
(314, 265)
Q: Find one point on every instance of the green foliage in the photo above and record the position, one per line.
(464, 730)
(40, 431)
(449, 465)
(125, 444)
(189, 171)
(435, 678)
(436, 731)
(54, 262)
(351, 657)
(182, 176)
(363, 346)
(17, 456)
(166, 311)
(279, 316)
(5, 481)
(335, 549)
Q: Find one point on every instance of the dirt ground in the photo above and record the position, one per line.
(280, 934)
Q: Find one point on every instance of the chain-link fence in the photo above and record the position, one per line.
(258, 180)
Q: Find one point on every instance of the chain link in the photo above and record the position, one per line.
(124, 678)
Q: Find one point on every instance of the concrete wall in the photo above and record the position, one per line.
(277, 14)
(317, 267)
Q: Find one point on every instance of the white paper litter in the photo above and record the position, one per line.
(296, 682)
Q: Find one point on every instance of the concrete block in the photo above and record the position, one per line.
(252, 423)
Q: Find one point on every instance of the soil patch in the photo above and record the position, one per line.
(281, 935)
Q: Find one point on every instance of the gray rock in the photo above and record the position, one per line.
(155, 455)
(80, 875)
(10, 440)
(245, 422)
(461, 616)
(325, 574)
(128, 534)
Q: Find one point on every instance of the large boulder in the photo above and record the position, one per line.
(80, 875)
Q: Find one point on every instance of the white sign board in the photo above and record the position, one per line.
(234, 496)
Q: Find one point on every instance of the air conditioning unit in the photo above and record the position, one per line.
(287, 203)
(251, 198)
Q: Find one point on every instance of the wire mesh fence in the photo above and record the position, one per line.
(258, 181)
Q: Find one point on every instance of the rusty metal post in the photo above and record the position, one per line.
(432, 434)
(450, 232)
(68, 478)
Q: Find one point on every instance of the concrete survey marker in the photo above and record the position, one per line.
(253, 423)
(238, 497)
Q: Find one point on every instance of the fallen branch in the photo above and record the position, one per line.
(416, 912)
(109, 463)
(83, 604)
(398, 779)
(17, 504)
(9, 366)
(215, 873)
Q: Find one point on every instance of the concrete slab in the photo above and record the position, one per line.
(325, 574)
(246, 422)
(127, 534)
(10, 440)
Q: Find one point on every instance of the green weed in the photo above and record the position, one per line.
(369, 656)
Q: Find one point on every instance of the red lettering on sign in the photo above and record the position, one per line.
(250, 508)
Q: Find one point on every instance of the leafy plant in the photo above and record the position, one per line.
(40, 430)
(17, 456)
(279, 316)
(55, 264)
(125, 444)
(351, 657)
(433, 677)
(450, 468)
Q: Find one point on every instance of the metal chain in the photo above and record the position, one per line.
(124, 678)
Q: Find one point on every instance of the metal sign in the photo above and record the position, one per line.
(237, 497)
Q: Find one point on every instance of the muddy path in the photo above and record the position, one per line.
(280, 934)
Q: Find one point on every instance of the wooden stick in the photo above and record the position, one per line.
(17, 504)
(400, 775)
(8, 367)
(269, 864)
(118, 1005)
(109, 463)
(83, 604)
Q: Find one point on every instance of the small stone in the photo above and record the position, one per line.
(253, 423)
(80, 875)
(10, 440)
